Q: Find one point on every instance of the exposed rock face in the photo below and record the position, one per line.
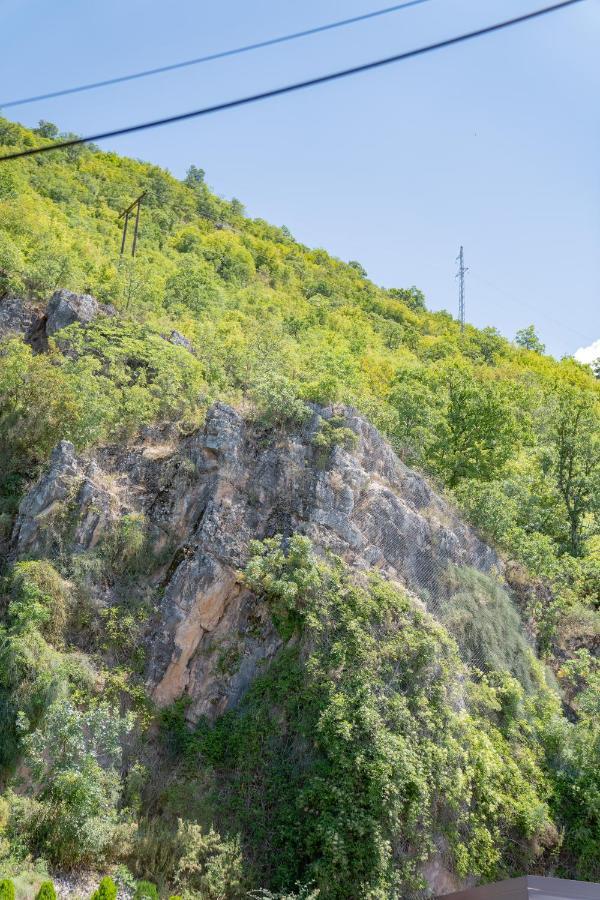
(180, 340)
(17, 317)
(204, 498)
(25, 319)
(69, 483)
(65, 307)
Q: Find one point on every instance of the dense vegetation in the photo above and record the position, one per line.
(397, 759)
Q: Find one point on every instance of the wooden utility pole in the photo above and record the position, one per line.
(126, 214)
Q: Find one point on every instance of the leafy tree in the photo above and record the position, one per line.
(414, 401)
(47, 129)
(358, 268)
(73, 756)
(413, 297)
(237, 207)
(193, 285)
(577, 778)
(194, 176)
(573, 430)
(477, 432)
(528, 340)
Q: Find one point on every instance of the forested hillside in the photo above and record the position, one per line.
(219, 307)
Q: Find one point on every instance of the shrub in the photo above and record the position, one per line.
(333, 433)
(481, 617)
(189, 858)
(145, 890)
(278, 403)
(194, 284)
(39, 598)
(46, 891)
(7, 889)
(106, 890)
(125, 548)
(209, 865)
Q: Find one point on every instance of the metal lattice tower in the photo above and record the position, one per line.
(460, 259)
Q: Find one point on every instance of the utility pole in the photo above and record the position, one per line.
(460, 259)
(127, 213)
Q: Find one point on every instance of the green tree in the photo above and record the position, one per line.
(47, 129)
(46, 891)
(477, 431)
(354, 264)
(193, 285)
(414, 400)
(572, 420)
(528, 340)
(413, 297)
(74, 757)
(577, 776)
(194, 176)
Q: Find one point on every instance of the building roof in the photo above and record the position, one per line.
(531, 887)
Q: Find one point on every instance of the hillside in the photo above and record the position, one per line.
(300, 584)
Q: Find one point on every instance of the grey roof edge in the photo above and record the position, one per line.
(530, 887)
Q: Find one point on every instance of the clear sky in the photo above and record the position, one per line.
(494, 144)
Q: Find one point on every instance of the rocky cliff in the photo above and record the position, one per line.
(200, 499)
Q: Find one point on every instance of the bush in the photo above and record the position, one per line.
(145, 890)
(333, 433)
(279, 405)
(73, 757)
(481, 617)
(209, 865)
(46, 891)
(125, 548)
(189, 858)
(106, 890)
(7, 889)
(39, 598)
(193, 285)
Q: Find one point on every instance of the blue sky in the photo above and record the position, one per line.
(493, 144)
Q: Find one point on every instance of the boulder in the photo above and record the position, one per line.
(17, 317)
(65, 308)
(180, 341)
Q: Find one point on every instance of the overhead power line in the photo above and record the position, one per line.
(289, 88)
(211, 57)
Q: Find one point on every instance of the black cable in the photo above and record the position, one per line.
(213, 56)
(300, 85)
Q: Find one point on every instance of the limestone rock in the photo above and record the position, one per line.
(72, 486)
(65, 307)
(17, 317)
(203, 498)
(180, 341)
